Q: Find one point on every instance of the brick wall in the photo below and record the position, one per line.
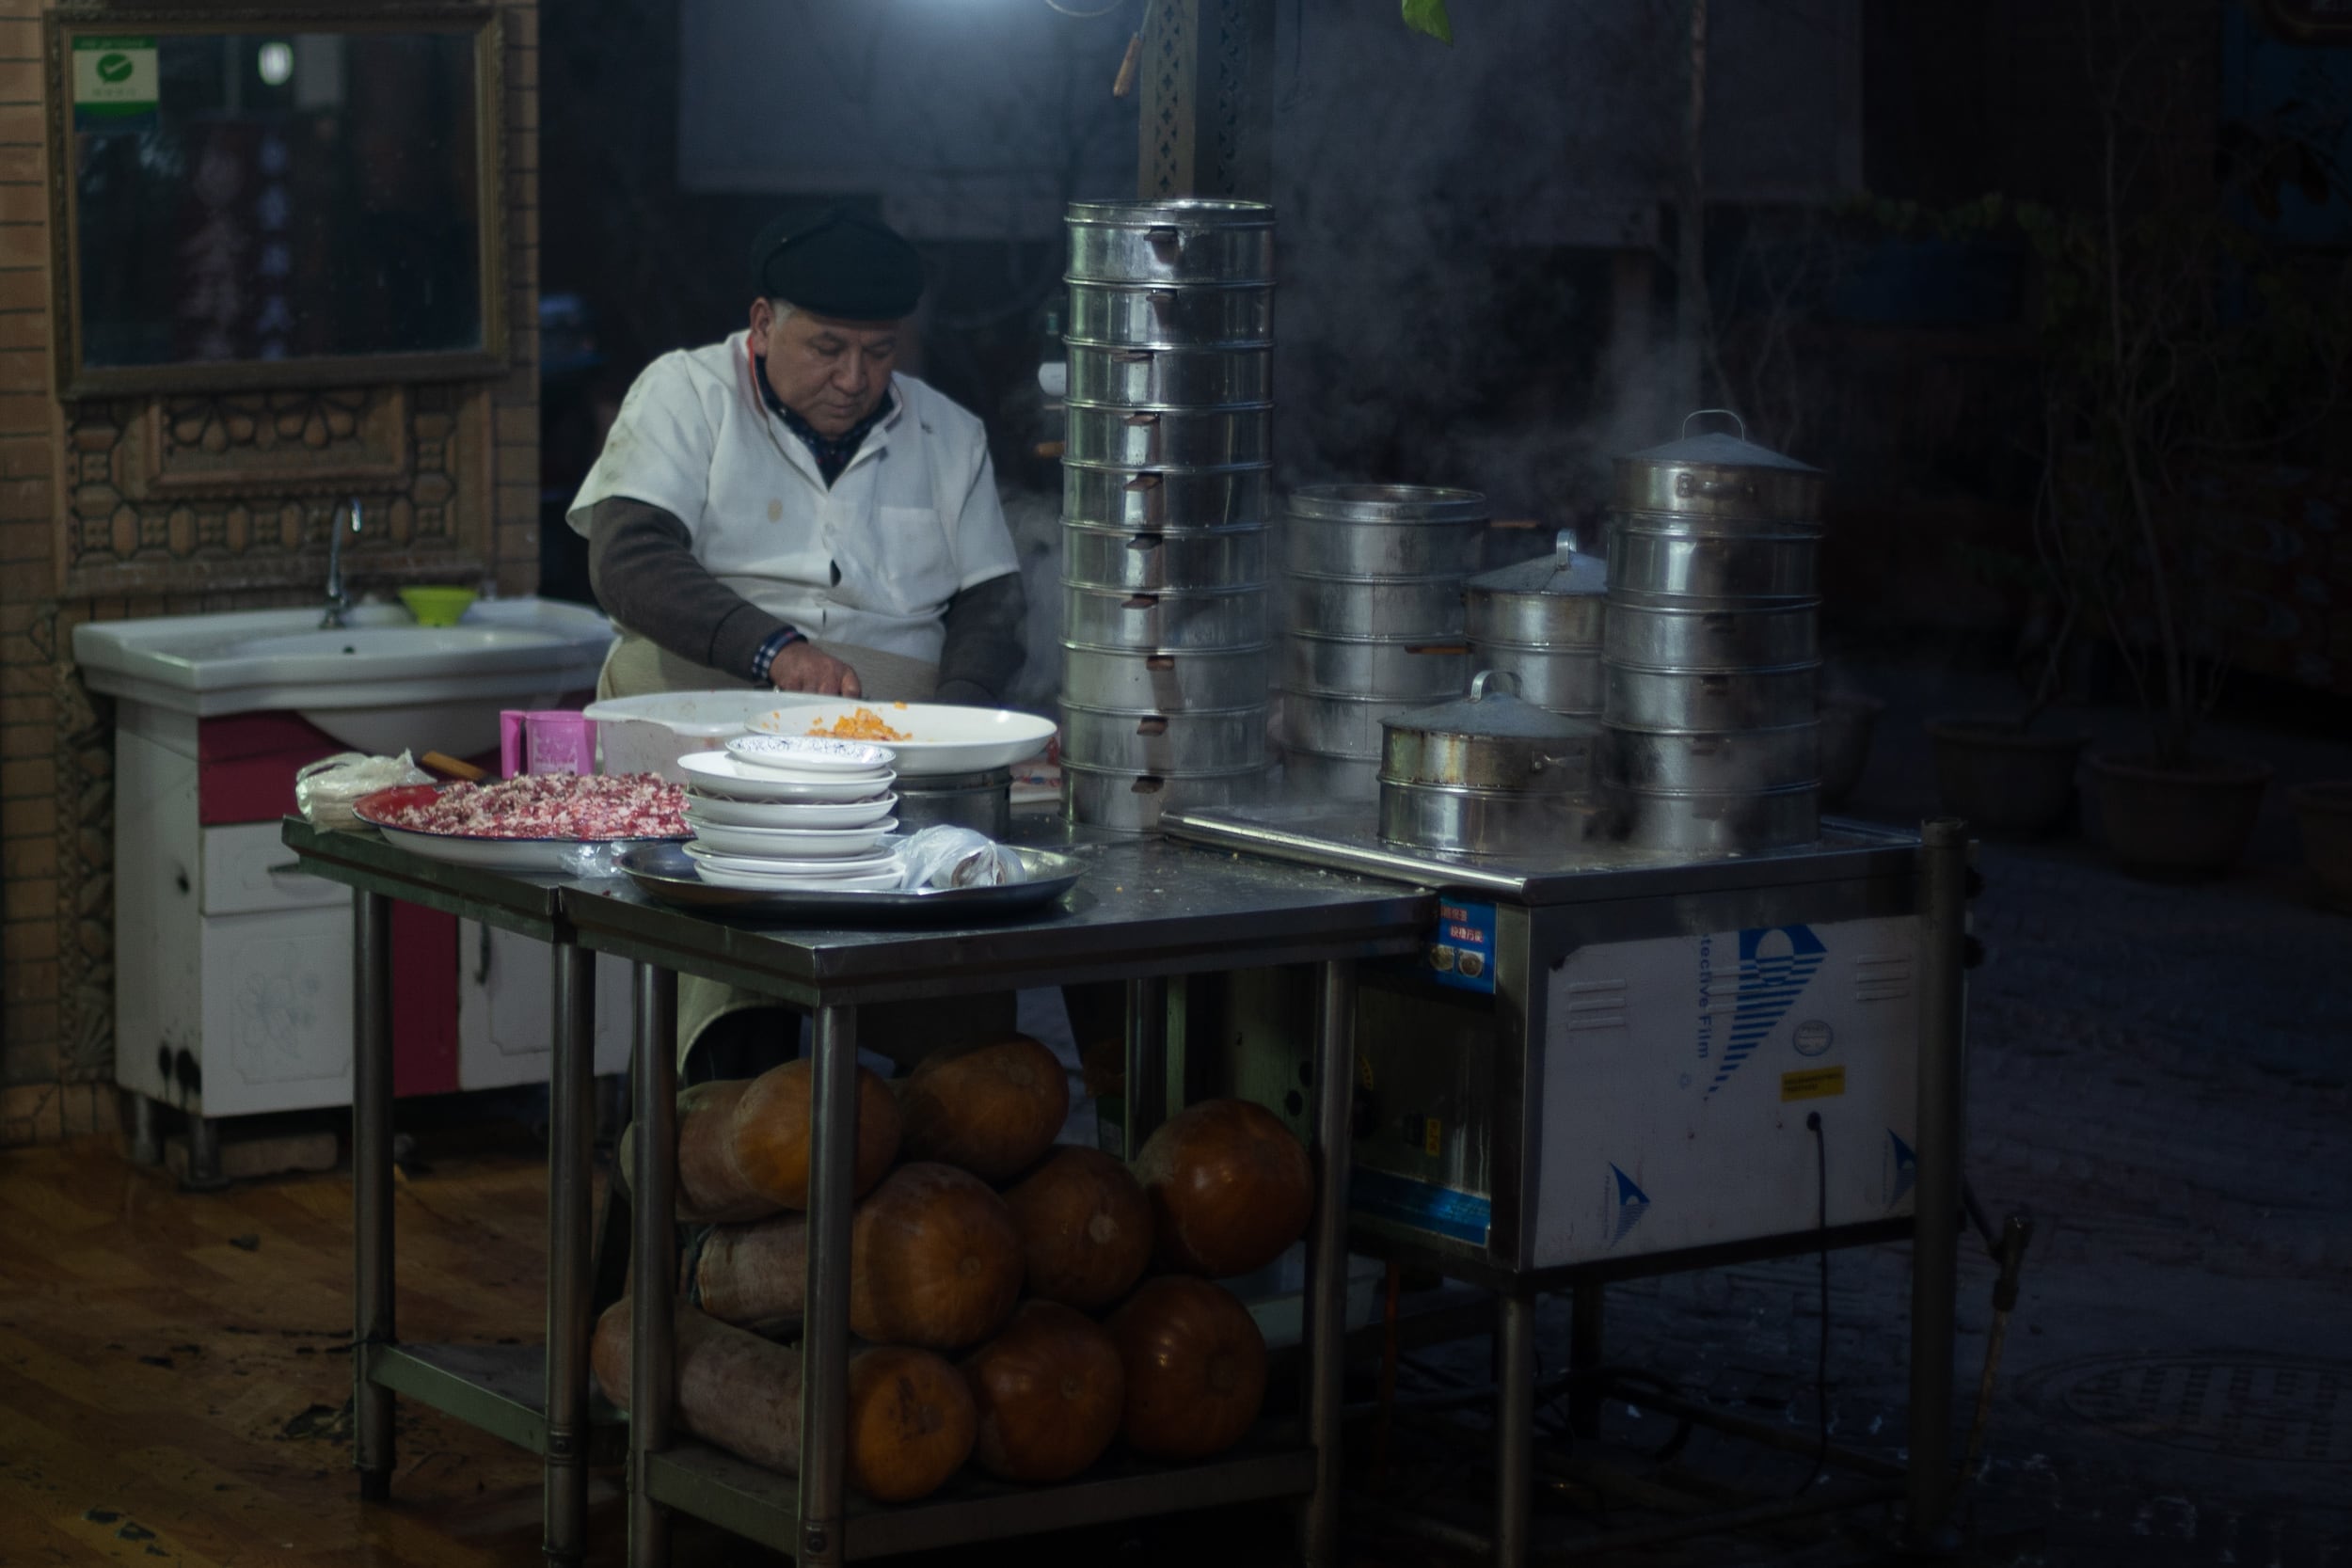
(78, 542)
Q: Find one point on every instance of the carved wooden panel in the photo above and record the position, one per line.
(206, 492)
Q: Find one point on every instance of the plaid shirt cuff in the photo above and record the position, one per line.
(766, 657)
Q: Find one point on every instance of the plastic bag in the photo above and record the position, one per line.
(325, 790)
(595, 861)
(948, 856)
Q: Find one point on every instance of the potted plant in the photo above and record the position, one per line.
(2175, 339)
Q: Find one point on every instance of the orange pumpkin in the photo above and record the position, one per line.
(934, 1260)
(1230, 1188)
(1050, 1391)
(1086, 1229)
(1194, 1364)
(992, 1109)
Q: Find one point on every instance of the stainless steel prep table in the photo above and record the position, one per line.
(539, 1400)
(1145, 911)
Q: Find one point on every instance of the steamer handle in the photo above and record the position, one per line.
(1702, 413)
(1437, 647)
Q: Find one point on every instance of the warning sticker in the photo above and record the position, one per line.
(1818, 1083)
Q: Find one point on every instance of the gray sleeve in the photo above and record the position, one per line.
(642, 565)
(986, 645)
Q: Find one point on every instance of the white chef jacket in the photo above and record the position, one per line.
(912, 520)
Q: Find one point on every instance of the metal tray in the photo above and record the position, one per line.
(664, 872)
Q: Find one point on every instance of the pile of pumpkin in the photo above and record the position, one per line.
(977, 1237)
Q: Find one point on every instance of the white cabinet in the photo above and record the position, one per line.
(505, 1008)
(233, 969)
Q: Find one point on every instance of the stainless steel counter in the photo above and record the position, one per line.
(1145, 911)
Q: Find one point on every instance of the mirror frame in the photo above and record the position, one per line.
(75, 380)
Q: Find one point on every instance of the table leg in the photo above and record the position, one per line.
(1935, 1223)
(825, 1336)
(372, 1189)
(1326, 1254)
(653, 1249)
(1514, 1430)
(571, 1135)
(1147, 1059)
(1587, 1349)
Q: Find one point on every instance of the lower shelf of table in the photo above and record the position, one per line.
(501, 1389)
(760, 1505)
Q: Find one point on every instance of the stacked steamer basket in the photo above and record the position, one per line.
(1541, 621)
(1164, 507)
(1374, 613)
(1711, 648)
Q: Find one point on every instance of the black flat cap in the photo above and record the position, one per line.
(845, 265)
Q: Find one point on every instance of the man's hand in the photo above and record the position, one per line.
(801, 667)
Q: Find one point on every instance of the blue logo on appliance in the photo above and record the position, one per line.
(1461, 952)
(1631, 1203)
(1777, 963)
(1900, 1172)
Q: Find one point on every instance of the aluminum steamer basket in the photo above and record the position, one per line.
(1104, 436)
(1170, 377)
(1163, 499)
(1338, 726)
(1555, 601)
(1149, 619)
(1116, 559)
(1709, 702)
(1383, 530)
(1737, 762)
(1373, 667)
(1130, 802)
(1707, 638)
(1570, 681)
(1164, 680)
(1722, 479)
(1180, 239)
(1374, 607)
(1163, 743)
(1703, 825)
(1660, 560)
(1199, 315)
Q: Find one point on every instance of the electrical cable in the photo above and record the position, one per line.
(1820, 1370)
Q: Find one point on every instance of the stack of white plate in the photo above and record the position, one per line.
(775, 812)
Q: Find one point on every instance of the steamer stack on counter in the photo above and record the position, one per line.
(1541, 621)
(1711, 649)
(1164, 500)
(1373, 622)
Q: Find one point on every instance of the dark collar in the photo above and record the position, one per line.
(833, 452)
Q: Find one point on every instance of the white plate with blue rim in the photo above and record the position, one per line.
(802, 756)
(717, 773)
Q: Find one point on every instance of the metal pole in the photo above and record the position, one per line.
(825, 1333)
(1515, 1429)
(1935, 1223)
(1326, 1254)
(571, 1134)
(1586, 1351)
(652, 1254)
(372, 1189)
(1147, 1059)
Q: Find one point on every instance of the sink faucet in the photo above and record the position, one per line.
(337, 600)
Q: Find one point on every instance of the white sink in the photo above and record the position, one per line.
(381, 683)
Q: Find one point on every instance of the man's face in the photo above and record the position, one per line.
(831, 373)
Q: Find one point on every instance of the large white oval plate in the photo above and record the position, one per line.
(944, 738)
(717, 773)
(706, 809)
(802, 755)
(805, 843)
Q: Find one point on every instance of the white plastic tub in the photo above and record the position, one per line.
(647, 735)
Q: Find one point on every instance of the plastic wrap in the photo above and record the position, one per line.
(325, 790)
(948, 857)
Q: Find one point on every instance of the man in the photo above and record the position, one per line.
(786, 509)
